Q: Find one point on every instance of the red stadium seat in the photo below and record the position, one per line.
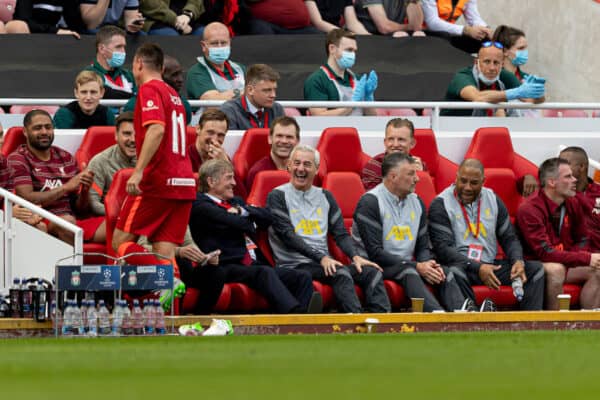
(396, 112)
(596, 114)
(190, 135)
(246, 299)
(253, 146)
(503, 297)
(95, 140)
(341, 151)
(25, 109)
(574, 291)
(292, 112)
(425, 188)
(575, 114)
(112, 203)
(441, 170)
(13, 138)
(493, 147)
(191, 298)
(553, 113)
(503, 182)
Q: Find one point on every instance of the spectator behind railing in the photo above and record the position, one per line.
(169, 18)
(515, 49)
(334, 81)
(123, 13)
(86, 111)
(215, 76)
(387, 17)
(110, 58)
(46, 16)
(328, 15)
(441, 16)
(7, 9)
(487, 81)
(270, 17)
(234, 14)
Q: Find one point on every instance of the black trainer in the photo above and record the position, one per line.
(488, 305)
(469, 305)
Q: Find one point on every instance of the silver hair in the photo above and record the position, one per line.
(308, 149)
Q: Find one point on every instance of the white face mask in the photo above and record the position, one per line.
(485, 80)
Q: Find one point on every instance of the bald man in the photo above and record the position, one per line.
(214, 76)
(487, 81)
(466, 223)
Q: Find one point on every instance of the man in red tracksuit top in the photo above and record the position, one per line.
(553, 230)
(588, 192)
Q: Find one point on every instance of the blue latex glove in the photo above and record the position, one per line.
(360, 89)
(372, 82)
(528, 90)
(537, 79)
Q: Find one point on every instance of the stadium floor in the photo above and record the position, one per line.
(484, 365)
(269, 324)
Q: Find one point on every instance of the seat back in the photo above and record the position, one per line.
(504, 183)
(264, 182)
(13, 138)
(96, 139)
(7, 10)
(441, 170)
(190, 135)
(396, 112)
(425, 188)
(20, 109)
(253, 146)
(112, 203)
(575, 114)
(341, 151)
(493, 147)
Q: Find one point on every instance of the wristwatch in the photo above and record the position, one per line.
(189, 14)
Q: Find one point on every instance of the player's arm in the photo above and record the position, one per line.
(471, 93)
(152, 140)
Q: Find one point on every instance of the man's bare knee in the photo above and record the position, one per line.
(555, 273)
(120, 237)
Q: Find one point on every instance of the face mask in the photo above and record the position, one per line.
(521, 57)
(346, 60)
(218, 55)
(486, 81)
(117, 59)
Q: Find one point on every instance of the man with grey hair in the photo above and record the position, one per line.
(466, 223)
(303, 216)
(553, 229)
(390, 227)
(225, 224)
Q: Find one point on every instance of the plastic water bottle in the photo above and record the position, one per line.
(103, 319)
(41, 302)
(27, 302)
(148, 317)
(117, 319)
(67, 325)
(78, 325)
(127, 323)
(16, 300)
(137, 318)
(159, 316)
(92, 318)
(84, 311)
(56, 316)
(517, 286)
(4, 308)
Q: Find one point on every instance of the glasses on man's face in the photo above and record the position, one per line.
(489, 43)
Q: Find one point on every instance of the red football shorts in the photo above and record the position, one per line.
(90, 226)
(161, 220)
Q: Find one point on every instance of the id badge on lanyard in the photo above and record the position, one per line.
(475, 252)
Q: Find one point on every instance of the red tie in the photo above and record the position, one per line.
(247, 260)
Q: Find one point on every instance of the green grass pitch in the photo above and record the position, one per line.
(486, 365)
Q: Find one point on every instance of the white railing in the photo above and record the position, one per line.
(436, 106)
(9, 229)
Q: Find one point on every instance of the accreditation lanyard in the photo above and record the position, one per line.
(333, 78)
(466, 216)
(229, 69)
(265, 116)
(490, 112)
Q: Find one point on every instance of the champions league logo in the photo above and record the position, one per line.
(161, 274)
(162, 281)
(107, 274)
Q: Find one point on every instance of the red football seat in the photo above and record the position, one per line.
(441, 170)
(21, 109)
(396, 112)
(13, 138)
(502, 182)
(112, 203)
(264, 182)
(341, 151)
(425, 188)
(253, 146)
(493, 147)
(96, 139)
(503, 297)
(292, 112)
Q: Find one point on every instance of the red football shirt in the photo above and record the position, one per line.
(4, 175)
(169, 174)
(26, 169)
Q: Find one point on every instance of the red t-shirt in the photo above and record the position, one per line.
(26, 169)
(290, 14)
(264, 164)
(169, 174)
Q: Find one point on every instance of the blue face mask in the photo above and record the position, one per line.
(346, 60)
(521, 57)
(486, 81)
(117, 59)
(218, 55)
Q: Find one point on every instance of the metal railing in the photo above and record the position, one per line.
(435, 106)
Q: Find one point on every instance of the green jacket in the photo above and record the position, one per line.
(160, 11)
